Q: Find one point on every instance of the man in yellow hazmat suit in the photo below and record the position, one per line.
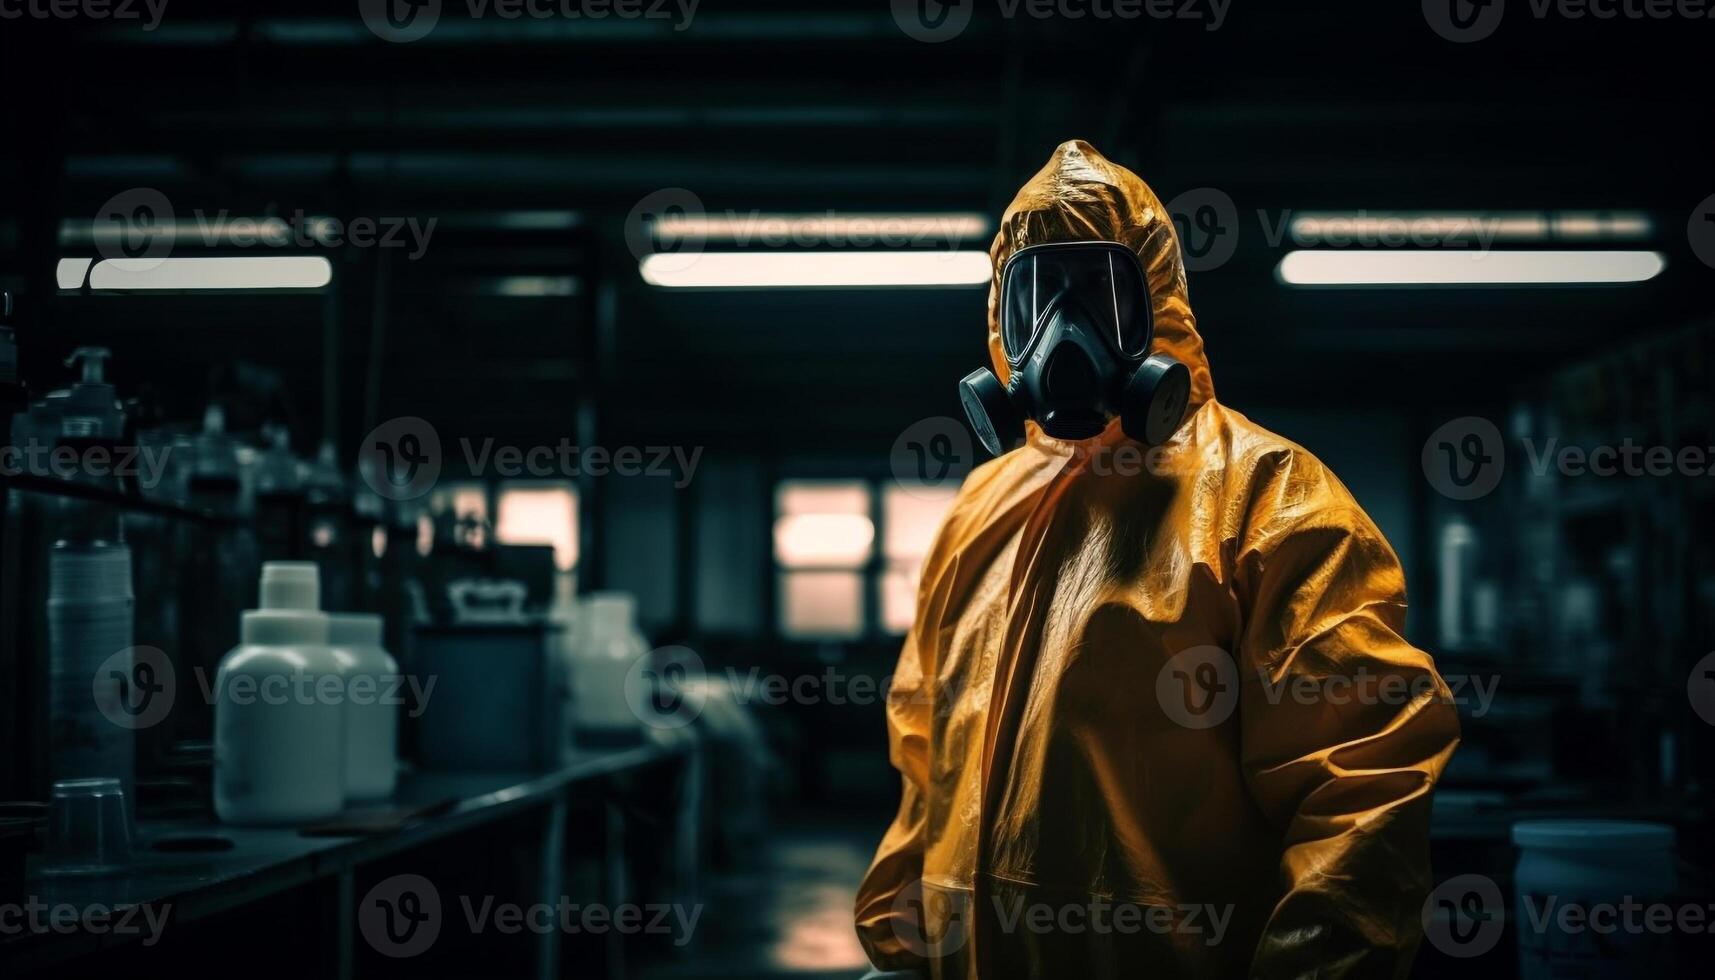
(1155, 716)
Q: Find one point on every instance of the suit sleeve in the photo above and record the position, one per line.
(1345, 728)
(898, 864)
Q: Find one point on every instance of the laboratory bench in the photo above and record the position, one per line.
(607, 828)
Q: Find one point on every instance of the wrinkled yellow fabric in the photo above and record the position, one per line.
(1039, 766)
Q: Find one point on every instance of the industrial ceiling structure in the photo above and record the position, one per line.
(531, 142)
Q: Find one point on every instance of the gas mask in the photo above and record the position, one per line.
(1076, 325)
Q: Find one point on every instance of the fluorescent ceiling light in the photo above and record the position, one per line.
(518, 287)
(1470, 228)
(1430, 267)
(811, 270)
(836, 230)
(72, 273)
(261, 273)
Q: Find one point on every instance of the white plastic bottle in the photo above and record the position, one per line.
(279, 722)
(607, 646)
(371, 705)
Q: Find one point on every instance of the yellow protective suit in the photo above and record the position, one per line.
(1049, 776)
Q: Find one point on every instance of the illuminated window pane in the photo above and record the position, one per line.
(540, 515)
(899, 598)
(821, 604)
(823, 525)
(822, 497)
(912, 515)
(823, 540)
(463, 499)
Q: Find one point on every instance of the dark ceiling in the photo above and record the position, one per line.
(264, 108)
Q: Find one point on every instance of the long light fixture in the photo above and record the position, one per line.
(212, 274)
(1429, 229)
(1361, 268)
(831, 229)
(816, 269)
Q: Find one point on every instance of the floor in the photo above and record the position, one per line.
(792, 916)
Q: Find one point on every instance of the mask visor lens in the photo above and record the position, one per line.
(1100, 281)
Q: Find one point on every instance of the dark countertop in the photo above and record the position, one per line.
(266, 861)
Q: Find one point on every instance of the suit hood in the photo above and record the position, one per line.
(1080, 195)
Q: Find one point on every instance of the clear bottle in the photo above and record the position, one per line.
(371, 705)
(279, 718)
(90, 606)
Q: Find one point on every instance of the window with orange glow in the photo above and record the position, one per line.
(540, 514)
(824, 544)
(911, 514)
(832, 557)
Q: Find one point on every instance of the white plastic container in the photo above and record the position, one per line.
(606, 646)
(371, 705)
(1584, 891)
(279, 719)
